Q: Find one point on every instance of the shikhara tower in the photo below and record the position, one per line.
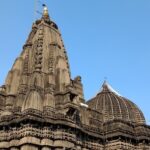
(42, 108)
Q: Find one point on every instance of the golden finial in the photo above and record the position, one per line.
(45, 12)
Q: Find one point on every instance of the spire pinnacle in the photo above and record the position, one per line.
(45, 14)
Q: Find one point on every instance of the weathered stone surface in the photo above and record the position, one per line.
(47, 142)
(29, 147)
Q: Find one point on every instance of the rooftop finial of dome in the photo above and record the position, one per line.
(106, 87)
(45, 14)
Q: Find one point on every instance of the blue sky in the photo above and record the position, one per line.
(103, 38)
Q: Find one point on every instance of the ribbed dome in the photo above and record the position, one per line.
(114, 106)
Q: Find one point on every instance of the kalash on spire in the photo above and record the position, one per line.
(45, 14)
(42, 108)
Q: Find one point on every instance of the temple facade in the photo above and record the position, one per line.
(43, 108)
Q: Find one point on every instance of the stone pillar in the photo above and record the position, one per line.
(45, 148)
(29, 147)
(14, 148)
(79, 148)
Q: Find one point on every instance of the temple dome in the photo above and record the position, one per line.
(115, 107)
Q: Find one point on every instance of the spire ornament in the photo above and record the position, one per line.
(45, 14)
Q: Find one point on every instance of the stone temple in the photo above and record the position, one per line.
(42, 108)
